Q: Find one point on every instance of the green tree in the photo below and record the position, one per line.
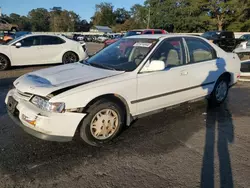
(139, 14)
(104, 15)
(39, 19)
(63, 20)
(22, 21)
(121, 15)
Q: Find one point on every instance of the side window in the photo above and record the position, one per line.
(158, 32)
(199, 50)
(31, 41)
(171, 52)
(147, 32)
(50, 40)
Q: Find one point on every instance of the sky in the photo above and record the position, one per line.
(85, 8)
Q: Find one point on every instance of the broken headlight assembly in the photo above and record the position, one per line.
(44, 104)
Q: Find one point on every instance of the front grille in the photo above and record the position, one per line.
(22, 95)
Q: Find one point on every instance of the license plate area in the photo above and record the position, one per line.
(11, 105)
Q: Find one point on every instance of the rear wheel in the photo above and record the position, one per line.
(104, 122)
(220, 92)
(4, 63)
(69, 57)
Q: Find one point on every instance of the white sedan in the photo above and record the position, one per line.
(34, 49)
(136, 76)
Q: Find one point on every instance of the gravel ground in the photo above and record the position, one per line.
(190, 146)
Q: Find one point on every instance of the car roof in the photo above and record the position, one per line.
(162, 36)
(32, 34)
(146, 30)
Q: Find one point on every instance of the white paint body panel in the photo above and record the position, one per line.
(181, 83)
(55, 124)
(41, 54)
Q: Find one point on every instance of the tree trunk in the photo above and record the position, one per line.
(219, 23)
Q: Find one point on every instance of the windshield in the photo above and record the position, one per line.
(210, 35)
(132, 33)
(19, 34)
(124, 55)
(14, 40)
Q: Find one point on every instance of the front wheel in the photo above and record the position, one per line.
(69, 57)
(220, 92)
(4, 63)
(103, 123)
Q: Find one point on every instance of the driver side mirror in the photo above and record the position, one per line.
(18, 45)
(153, 66)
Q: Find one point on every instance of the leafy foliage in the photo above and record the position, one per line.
(184, 15)
(56, 20)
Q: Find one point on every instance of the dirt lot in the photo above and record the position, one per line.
(190, 146)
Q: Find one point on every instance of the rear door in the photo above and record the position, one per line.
(204, 66)
(51, 49)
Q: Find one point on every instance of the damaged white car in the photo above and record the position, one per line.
(131, 78)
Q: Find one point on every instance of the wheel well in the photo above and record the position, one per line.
(226, 75)
(73, 53)
(6, 57)
(116, 99)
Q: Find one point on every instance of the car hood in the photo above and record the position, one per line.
(47, 81)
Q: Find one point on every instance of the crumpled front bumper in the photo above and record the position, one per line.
(49, 126)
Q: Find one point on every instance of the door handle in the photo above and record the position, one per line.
(184, 73)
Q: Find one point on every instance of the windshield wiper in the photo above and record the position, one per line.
(102, 66)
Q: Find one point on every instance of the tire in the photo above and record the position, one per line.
(4, 63)
(69, 57)
(96, 135)
(220, 92)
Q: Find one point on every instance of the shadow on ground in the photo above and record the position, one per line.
(23, 157)
(161, 133)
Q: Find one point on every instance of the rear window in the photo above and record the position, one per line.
(227, 34)
(132, 33)
(211, 35)
(158, 32)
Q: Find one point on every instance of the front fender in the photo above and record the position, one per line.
(80, 97)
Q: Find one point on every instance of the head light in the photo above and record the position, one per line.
(45, 105)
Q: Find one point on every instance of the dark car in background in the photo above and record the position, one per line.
(224, 39)
(137, 32)
(245, 37)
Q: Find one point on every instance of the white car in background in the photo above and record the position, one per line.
(134, 77)
(35, 49)
(102, 39)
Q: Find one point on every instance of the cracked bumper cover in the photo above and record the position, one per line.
(60, 127)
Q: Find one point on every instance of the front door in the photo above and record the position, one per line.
(165, 88)
(28, 53)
